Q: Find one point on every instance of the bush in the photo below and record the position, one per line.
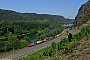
(23, 43)
(72, 45)
(63, 44)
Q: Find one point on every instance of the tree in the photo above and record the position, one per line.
(14, 41)
(2, 46)
(63, 44)
(6, 46)
(27, 38)
(23, 43)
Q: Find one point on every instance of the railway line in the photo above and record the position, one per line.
(28, 50)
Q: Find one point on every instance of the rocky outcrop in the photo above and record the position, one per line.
(84, 12)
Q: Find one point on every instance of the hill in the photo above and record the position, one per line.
(70, 20)
(12, 15)
(83, 14)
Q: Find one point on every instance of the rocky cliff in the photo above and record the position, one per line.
(83, 14)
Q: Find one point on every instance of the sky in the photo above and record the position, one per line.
(66, 8)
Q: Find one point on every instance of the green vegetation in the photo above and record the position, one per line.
(82, 21)
(15, 34)
(16, 27)
(12, 15)
(46, 32)
(58, 50)
(21, 27)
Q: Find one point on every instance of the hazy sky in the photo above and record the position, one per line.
(66, 8)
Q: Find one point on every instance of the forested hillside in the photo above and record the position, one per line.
(12, 15)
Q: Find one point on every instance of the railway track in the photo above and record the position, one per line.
(28, 50)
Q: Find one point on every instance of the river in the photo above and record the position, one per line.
(33, 36)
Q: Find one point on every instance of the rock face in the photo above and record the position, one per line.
(83, 11)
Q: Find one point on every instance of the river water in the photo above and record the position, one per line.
(33, 36)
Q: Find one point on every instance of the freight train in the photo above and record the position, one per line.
(46, 39)
(38, 42)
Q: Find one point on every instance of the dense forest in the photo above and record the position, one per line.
(21, 27)
(11, 31)
(12, 15)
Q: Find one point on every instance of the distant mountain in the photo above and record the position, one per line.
(83, 14)
(70, 20)
(12, 15)
(47, 17)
